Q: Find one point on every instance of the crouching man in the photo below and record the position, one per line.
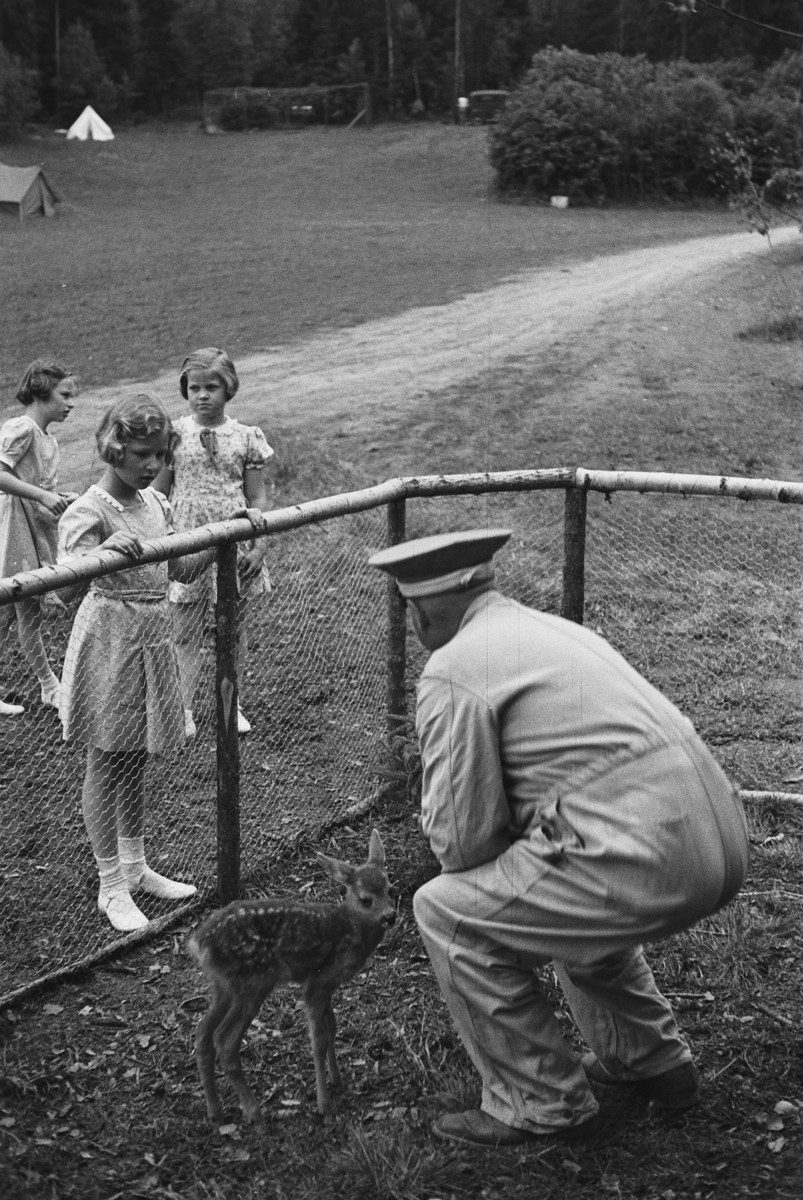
(576, 815)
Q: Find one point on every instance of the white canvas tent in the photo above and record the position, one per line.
(25, 191)
(90, 125)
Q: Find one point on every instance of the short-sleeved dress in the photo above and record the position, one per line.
(120, 684)
(208, 469)
(28, 532)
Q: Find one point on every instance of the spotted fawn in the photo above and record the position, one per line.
(251, 947)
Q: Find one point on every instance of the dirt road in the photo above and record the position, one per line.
(362, 373)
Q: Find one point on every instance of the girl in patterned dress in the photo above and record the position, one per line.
(30, 506)
(120, 687)
(217, 471)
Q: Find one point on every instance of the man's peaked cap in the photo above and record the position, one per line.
(442, 563)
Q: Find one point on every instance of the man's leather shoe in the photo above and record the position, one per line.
(677, 1088)
(475, 1127)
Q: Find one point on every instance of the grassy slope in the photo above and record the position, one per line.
(170, 239)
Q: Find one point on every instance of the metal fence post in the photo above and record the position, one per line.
(228, 742)
(574, 554)
(396, 695)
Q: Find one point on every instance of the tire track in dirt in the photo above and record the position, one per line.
(361, 372)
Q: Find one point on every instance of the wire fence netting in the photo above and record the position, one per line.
(312, 686)
(701, 594)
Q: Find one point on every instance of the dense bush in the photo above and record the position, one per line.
(764, 127)
(687, 117)
(17, 95)
(608, 127)
(558, 146)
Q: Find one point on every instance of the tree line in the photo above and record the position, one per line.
(157, 57)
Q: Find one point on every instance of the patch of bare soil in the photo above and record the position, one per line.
(99, 1097)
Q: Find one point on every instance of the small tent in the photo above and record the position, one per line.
(90, 125)
(25, 191)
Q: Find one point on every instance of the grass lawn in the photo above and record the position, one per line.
(169, 239)
(172, 239)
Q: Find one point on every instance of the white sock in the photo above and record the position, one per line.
(112, 877)
(132, 857)
(114, 899)
(140, 877)
(51, 691)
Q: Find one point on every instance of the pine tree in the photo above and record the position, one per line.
(84, 79)
(161, 62)
(19, 29)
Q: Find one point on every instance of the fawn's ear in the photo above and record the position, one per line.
(376, 851)
(341, 872)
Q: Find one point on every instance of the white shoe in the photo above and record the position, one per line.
(51, 694)
(243, 724)
(10, 710)
(146, 880)
(122, 911)
(190, 728)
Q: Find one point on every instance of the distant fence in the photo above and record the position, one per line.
(696, 579)
(244, 108)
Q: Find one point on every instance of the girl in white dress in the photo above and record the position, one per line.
(120, 687)
(217, 471)
(30, 506)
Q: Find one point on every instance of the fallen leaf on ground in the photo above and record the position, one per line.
(785, 1108)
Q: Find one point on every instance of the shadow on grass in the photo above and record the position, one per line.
(786, 328)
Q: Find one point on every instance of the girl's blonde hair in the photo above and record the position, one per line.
(132, 419)
(39, 380)
(210, 359)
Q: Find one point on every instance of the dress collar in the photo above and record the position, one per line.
(45, 433)
(110, 500)
(199, 429)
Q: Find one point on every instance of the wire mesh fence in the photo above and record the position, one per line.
(312, 684)
(313, 688)
(702, 594)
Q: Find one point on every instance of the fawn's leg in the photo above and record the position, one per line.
(205, 1051)
(321, 1022)
(242, 1008)
(335, 1078)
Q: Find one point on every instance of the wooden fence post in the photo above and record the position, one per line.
(228, 742)
(396, 694)
(574, 554)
